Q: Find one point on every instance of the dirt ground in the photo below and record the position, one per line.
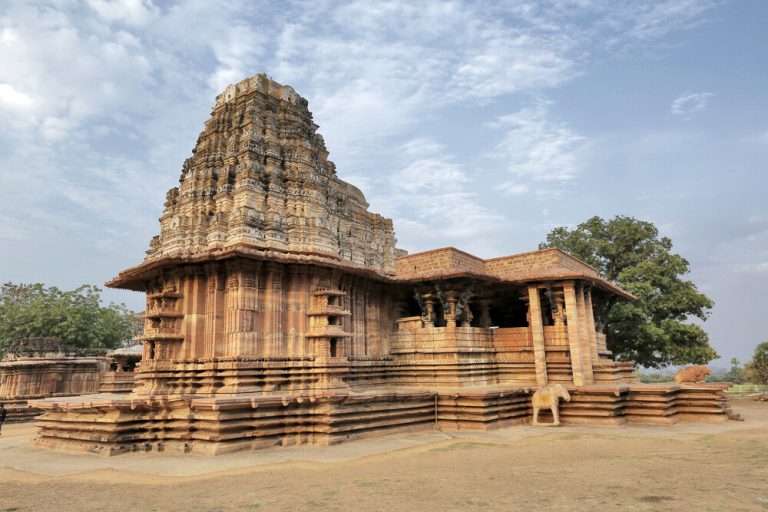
(721, 467)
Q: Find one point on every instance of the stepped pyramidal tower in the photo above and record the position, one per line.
(279, 311)
(260, 178)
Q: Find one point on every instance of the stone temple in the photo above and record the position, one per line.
(279, 311)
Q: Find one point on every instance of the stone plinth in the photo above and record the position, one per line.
(115, 424)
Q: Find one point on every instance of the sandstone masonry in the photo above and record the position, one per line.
(279, 311)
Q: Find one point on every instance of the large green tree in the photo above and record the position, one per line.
(76, 316)
(653, 330)
(757, 369)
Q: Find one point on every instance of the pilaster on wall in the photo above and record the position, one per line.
(537, 332)
(372, 335)
(290, 313)
(297, 309)
(273, 315)
(580, 356)
(358, 307)
(214, 311)
(242, 305)
(592, 333)
(195, 289)
(584, 337)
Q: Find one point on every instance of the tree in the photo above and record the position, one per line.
(757, 370)
(77, 317)
(653, 330)
(736, 373)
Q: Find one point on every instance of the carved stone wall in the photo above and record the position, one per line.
(252, 314)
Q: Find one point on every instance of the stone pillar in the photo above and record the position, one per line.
(557, 312)
(485, 312)
(581, 375)
(536, 325)
(591, 332)
(429, 305)
(584, 338)
(450, 315)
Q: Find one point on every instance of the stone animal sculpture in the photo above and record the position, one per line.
(549, 397)
(692, 374)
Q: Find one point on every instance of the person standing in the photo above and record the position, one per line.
(3, 414)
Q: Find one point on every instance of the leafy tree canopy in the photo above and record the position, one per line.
(758, 368)
(77, 317)
(653, 331)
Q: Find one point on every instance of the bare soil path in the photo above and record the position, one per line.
(701, 467)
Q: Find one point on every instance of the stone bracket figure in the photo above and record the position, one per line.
(549, 397)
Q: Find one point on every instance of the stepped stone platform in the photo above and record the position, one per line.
(113, 424)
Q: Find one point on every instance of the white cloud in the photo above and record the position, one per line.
(101, 101)
(514, 189)
(434, 200)
(651, 20)
(423, 146)
(538, 151)
(64, 76)
(131, 12)
(687, 104)
(429, 175)
(14, 99)
(372, 72)
(235, 54)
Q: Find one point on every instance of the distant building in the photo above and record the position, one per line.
(34, 368)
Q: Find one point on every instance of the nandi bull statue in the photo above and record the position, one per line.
(693, 374)
(549, 397)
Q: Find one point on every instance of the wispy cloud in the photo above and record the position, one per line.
(130, 12)
(538, 151)
(99, 100)
(431, 195)
(687, 104)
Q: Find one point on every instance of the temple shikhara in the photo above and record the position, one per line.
(280, 311)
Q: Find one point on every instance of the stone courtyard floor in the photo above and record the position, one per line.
(684, 467)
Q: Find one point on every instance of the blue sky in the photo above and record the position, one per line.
(480, 125)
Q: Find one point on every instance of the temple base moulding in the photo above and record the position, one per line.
(115, 424)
